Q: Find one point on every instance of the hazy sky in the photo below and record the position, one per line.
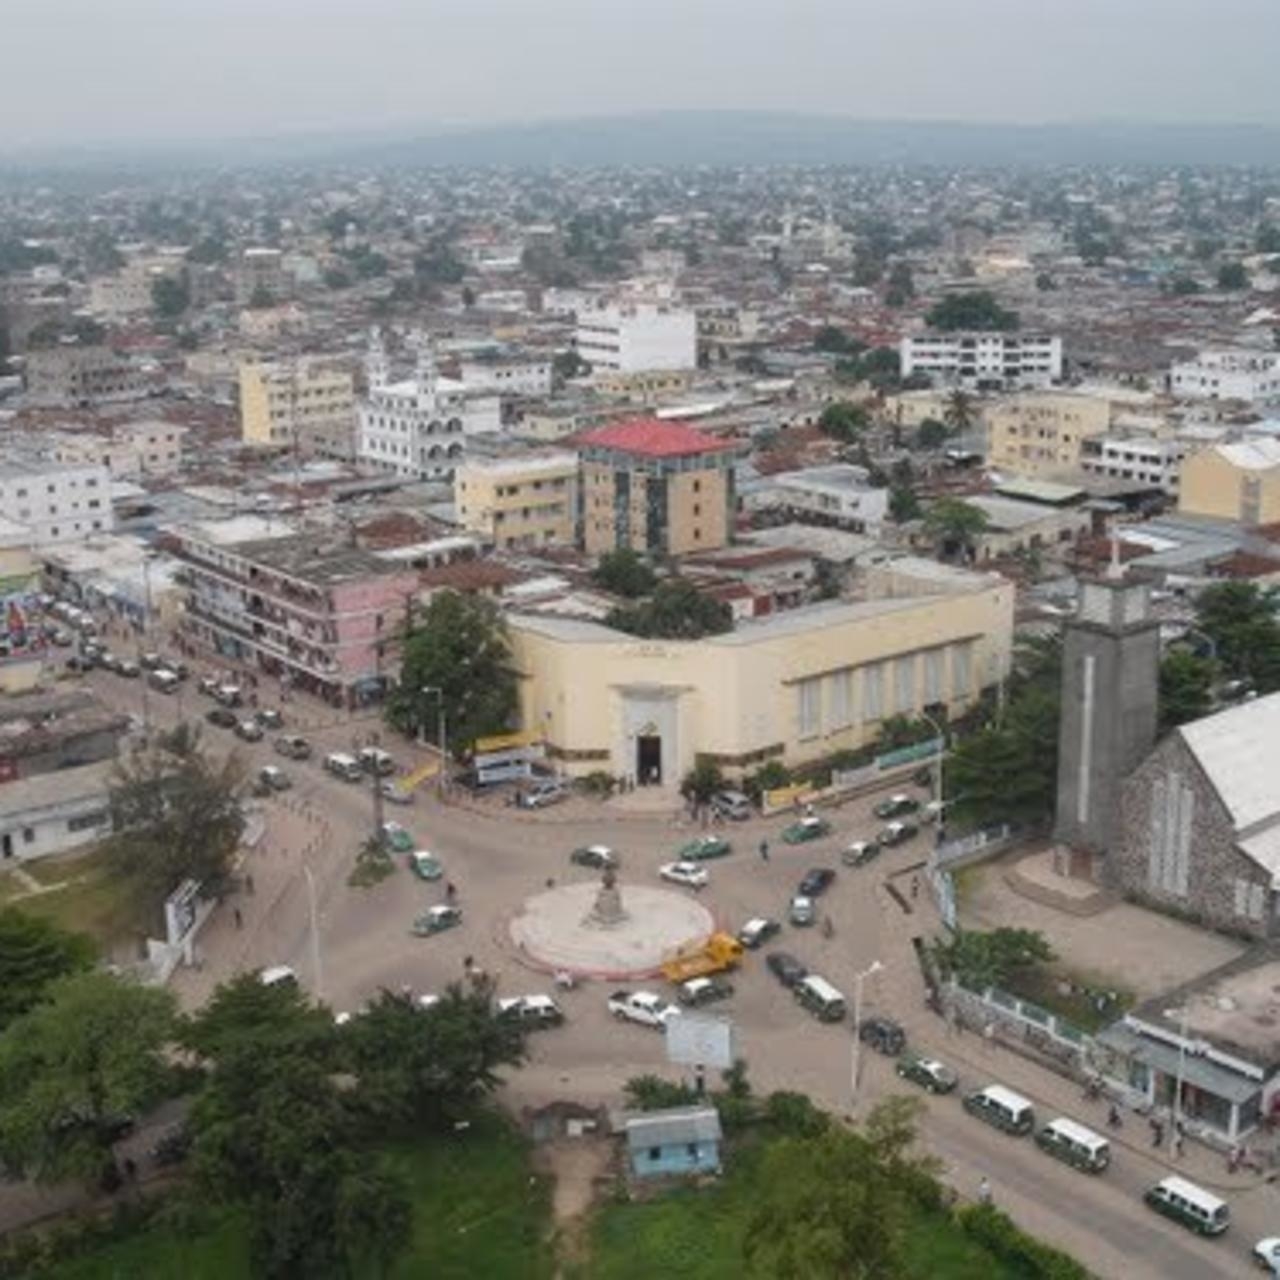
(90, 70)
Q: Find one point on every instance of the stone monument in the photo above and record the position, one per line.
(607, 911)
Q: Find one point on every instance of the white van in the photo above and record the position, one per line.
(375, 760)
(1075, 1145)
(344, 766)
(1002, 1108)
(1190, 1205)
(163, 681)
(276, 974)
(820, 998)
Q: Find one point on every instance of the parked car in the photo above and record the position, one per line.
(271, 779)
(128, 668)
(703, 847)
(700, 991)
(294, 747)
(883, 1035)
(375, 760)
(802, 912)
(1266, 1253)
(396, 837)
(860, 852)
(757, 931)
(643, 1007)
(896, 806)
(531, 1011)
(786, 968)
(229, 695)
(597, 856)
(689, 874)
(208, 685)
(222, 717)
(249, 730)
(436, 920)
(929, 1073)
(817, 880)
(541, 794)
(732, 805)
(810, 828)
(426, 866)
(150, 660)
(60, 637)
(394, 793)
(269, 718)
(897, 833)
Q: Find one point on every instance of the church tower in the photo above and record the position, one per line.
(377, 367)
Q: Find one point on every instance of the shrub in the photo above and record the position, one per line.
(598, 783)
(768, 777)
(999, 1236)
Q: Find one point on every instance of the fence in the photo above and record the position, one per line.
(953, 854)
(1022, 1024)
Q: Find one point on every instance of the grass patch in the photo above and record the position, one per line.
(476, 1212)
(1088, 1001)
(90, 900)
(690, 1234)
(967, 882)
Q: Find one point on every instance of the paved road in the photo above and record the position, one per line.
(497, 857)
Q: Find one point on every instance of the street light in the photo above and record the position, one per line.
(856, 1058)
(440, 725)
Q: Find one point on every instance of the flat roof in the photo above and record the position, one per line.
(45, 790)
(1040, 491)
(301, 557)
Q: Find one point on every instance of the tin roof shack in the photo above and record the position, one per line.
(46, 732)
(674, 1141)
(1208, 1051)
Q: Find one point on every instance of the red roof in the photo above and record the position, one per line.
(652, 438)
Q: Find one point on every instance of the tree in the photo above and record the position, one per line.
(1267, 239)
(34, 952)
(901, 286)
(903, 505)
(959, 414)
(249, 1016)
(175, 816)
(624, 572)
(702, 781)
(977, 311)
(677, 610)
(431, 1066)
(1045, 282)
(89, 1055)
(1184, 287)
(931, 434)
(1233, 276)
(566, 365)
(169, 297)
(844, 421)
(1240, 618)
(458, 645)
(261, 299)
(955, 527)
(836, 341)
(1186, 688)
(993, 958)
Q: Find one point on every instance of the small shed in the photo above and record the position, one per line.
(675, 1140)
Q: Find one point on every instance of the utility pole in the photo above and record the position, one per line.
(855, 1065)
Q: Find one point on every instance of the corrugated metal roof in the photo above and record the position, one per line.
(1238, 750)
(674, 1125)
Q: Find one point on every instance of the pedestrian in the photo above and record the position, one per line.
(248, 885)
(1157, 1133)
(451, 891)
(467, 963)
(915, 886)
(808, 810)
(239, 919)
(1175, 1145)
(1113, 1116)
(764, 851)
(984, 1191)
(989, 1035)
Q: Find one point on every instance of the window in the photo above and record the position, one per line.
(932, 691)
(809, 707)
(904, 684)
(28, 835)
(655, 1153)
(842, 699)
(873, 691)
(86, 821)
(962, 669)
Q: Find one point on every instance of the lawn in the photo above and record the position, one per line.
(477, 1212)
(696, 1235)
(91, 901)
(1088, 1001)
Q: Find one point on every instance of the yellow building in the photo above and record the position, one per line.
(522, 502)
(1237, 481)
(659, 488)
(911, 408)
(1039, 434)
(304, 403)
(645, 386)
(796, 687)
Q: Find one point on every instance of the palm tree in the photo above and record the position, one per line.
(955, 527)
(959, 414)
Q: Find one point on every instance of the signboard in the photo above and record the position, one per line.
(503, 771)
(781, 797)
(916, 751)
(180, 911)
(506, 742)
(701, 1040)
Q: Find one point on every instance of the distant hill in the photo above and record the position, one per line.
(679, 138)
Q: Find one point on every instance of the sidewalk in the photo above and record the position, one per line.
(980, 1061)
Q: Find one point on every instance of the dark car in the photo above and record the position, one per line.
(816, 882)
(786, 968)
(269, 718)
(249, 730)
(884, 1035)
(294, 747)
(222, 717)
(757, 931)
(596, 856)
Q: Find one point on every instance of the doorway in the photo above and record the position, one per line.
(6, 845)
(649, 760)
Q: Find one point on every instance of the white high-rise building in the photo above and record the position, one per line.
(1251, 376)
(56, 503)
(984, 361)
(418, 427)
(638, 337)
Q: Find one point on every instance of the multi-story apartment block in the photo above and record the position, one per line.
(314, 616)
(519, 503)
(56, 503)
(418, 428)
(260, 273)
(127, 449)
(984, 361)
(127, 293)
(75, 375)
(306, 404)
(638, 336)
(1235, 481)
(1151, 460)
(1251, 376)
(660, 488)
(497, 373)
(840, 496)
(1040, 434)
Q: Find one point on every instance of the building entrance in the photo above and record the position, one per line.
(649, 760)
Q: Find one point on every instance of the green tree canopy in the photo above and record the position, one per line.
(960, 413)
(169, 297)
(33, 953)
(991, 958)
(458, 644)
(625, 572)
(677, 610)
(89, 1054)
(955, 526)
(1241, 619)
(903, 504)
(978, 311)
(931, 434)
(702, 781)
(1232, 275)
(1186, 688)
(1268, 238)
(844, 421)
(175, 816)
(837, 341)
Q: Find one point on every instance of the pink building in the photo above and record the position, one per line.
(313, 612)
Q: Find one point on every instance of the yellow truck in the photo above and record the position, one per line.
(715, 954)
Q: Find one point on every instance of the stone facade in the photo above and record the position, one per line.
(1177, 848)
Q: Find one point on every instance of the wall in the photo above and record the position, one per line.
(676, 1159)
(1040, 435)
(1211, 485)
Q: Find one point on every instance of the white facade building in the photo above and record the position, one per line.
(1146, 460)
(984, 361)
(57, 503)
(52, 812)
(839, 496)
(506, 375)
(638, 337)
(1251, 376)
(418, 428)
